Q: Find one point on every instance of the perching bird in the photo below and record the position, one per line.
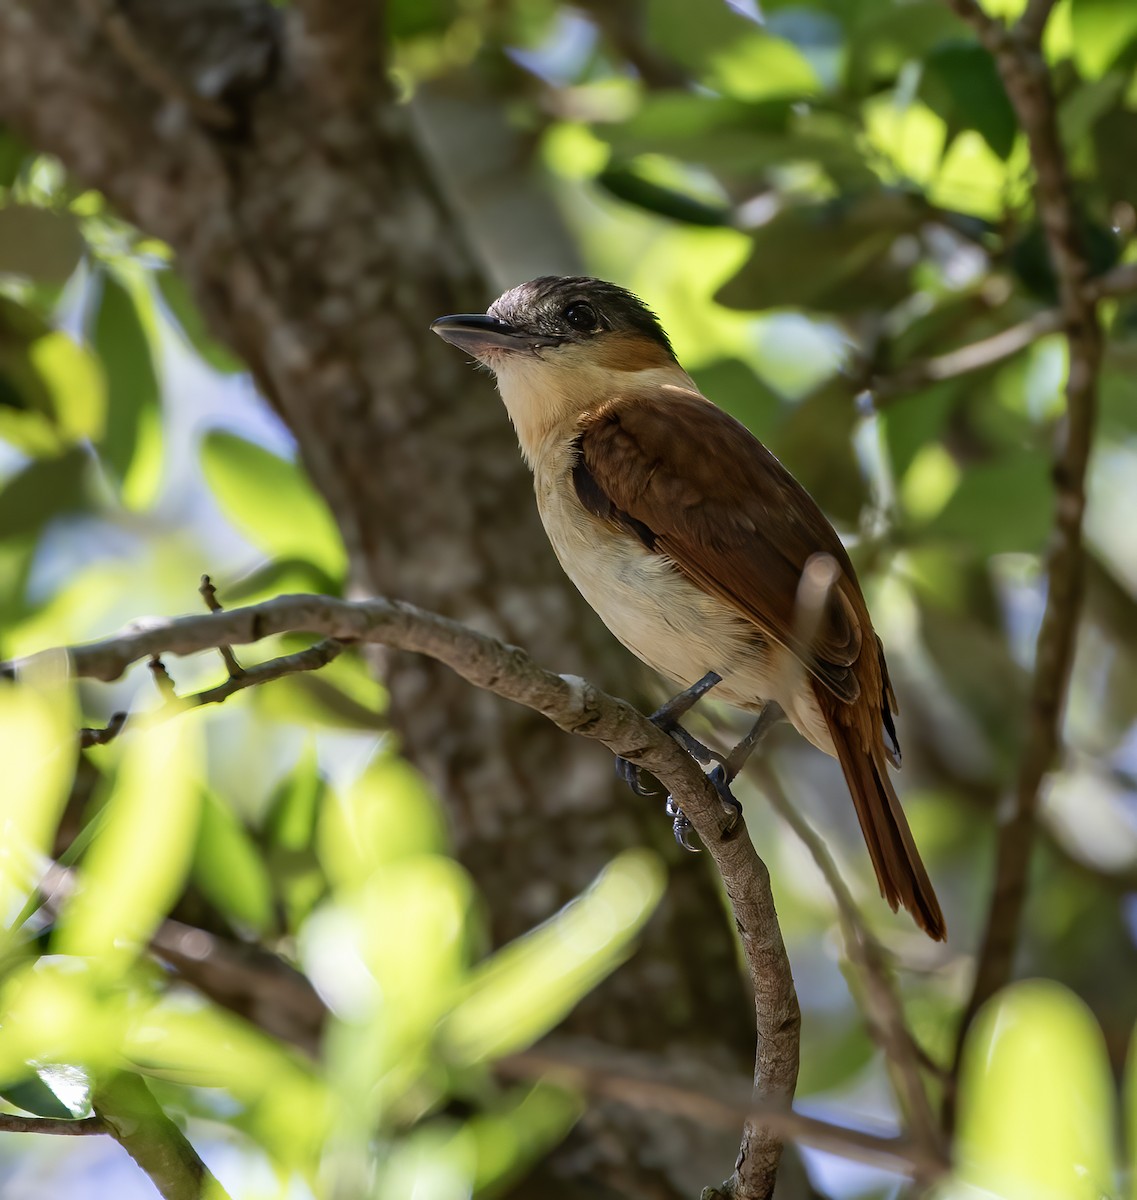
(696, 547)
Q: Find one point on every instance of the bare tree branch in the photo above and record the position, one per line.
(312, 658)
(209, 594)
(82, 1127)
(1033, 21)
(576, 707)
(719, 1102)
(880, 1002)
(998, 347)
(1027, 80)
(246, 980)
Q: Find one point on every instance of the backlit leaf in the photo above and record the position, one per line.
(1102, 29)
(138, 863)
(1036, 1109)
(131, 445)
(529, 985)
(272, 502)
(190, 321)
(229, 869)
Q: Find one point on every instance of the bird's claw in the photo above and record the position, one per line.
(731, 805)
(680, 826)
(633, 777)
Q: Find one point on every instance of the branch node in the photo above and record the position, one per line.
(162, 678)
(209, 594)
(100, 737)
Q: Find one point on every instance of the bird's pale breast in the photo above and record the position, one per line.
(665, 620)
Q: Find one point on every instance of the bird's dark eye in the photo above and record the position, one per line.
(581, 317)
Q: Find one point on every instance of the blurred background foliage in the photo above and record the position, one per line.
(817, 199)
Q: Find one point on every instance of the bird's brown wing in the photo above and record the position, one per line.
(695, 485)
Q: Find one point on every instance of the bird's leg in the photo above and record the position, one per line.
(666, 718)
(770, 716)
(727, 771)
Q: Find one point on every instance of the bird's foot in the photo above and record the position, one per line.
(666, 718)
(681, 825)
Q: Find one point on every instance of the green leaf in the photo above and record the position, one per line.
(884, 38)
(693, 34)
(977, 670)
(911, 422)
(1036, 1109)
(137, 865)
(295, 805)
(740, 137)
(1102, 30)
(1000, 506)
(831, 256)
(189, 319)
(389, 814)
(75, 383)
(757, 66)
(1130, 1123)
(530, 985)
(121, 339)
(815, 441)
(43, 490)
(32, 1095)
(1117, 173)
(343, 695)
(626, 183)
(228, 868)
(419, 18)
(37, 717)
(277, 576)
(962, 85)
(271, 501)
(13, 155)
(52, 392)
(39, 243)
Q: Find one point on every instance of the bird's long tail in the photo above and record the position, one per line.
(899, 869)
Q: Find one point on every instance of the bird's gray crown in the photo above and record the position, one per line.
(551, 305)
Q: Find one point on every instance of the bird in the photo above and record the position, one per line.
(697, 548)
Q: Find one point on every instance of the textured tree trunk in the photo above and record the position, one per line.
(319, 248)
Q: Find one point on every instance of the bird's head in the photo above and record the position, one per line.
(560, 346)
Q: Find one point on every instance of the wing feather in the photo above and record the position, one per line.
(694, 484)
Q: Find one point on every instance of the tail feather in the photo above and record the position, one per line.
(899, 869)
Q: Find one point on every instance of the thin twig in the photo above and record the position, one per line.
(100, 737)
(81, 1127)
(721, 1105)
(1027, 80)
(882, 1007)
(162, 679)
(209, 595)
(575, 706)
(998, 347)
(310, 659)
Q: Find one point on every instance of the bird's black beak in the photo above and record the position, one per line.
(476, 333)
